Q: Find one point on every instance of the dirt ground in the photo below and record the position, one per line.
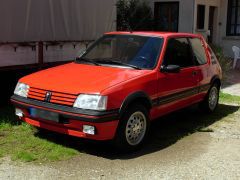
(184, 145)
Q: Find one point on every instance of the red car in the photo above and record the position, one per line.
(119, 85)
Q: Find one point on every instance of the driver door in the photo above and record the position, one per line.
(175, 89)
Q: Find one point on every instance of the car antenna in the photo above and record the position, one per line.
(129, 29)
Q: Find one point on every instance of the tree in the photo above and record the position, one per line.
(134, 15)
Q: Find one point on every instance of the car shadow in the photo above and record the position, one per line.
(164, 132)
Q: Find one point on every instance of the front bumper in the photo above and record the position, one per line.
(72, 119)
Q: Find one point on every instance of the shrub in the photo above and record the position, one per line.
(134, 15)
(225, 62)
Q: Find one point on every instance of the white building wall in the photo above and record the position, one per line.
(226, 41)
(220, 37)
(204, 32)
(188, 21)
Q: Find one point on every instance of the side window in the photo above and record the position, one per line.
(178, 52)
(198, 51)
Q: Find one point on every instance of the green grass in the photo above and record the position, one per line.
(21, 142)
(18, 140)
(227, 98)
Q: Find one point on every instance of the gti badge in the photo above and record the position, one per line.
(48, 96)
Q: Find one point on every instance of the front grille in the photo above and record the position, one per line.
(56, 97)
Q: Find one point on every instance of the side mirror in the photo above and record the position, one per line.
(170, 69)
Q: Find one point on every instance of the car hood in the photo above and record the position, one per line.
(80, 78)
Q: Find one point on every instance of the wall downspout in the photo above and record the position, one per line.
(194, 2)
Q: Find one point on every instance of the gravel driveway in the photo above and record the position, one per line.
(180, 146)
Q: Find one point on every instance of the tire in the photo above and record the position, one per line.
(41, 130)
(210, 103)
(133, 129)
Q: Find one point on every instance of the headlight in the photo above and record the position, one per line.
(92, 102)
(21, 89)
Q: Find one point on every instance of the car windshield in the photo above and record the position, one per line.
(140, 52)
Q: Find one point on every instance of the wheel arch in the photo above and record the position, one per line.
(136, 97)
(216, 79)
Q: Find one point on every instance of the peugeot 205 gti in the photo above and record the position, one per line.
(119, 85)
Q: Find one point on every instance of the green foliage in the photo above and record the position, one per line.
(224, 61)
(134, 15)
(122, 15)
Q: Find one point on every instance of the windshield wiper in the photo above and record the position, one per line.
(82, 59)
(111, 61)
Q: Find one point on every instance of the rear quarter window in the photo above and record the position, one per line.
(198, 51)
(212, 55)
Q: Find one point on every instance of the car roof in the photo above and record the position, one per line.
(152, 33)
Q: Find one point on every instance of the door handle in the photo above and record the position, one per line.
(194, 73)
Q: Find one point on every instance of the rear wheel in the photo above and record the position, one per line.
(133, 128)
(210, 103)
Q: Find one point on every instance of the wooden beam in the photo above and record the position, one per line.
(40, 54)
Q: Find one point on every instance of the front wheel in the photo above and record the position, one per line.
(133, 128)
(210, 103)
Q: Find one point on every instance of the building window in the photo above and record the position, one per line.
(166, 16)
(200, 16)
(233, 23)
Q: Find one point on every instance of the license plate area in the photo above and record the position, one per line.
(43, 114)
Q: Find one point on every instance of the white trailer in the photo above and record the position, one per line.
(34, 32)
